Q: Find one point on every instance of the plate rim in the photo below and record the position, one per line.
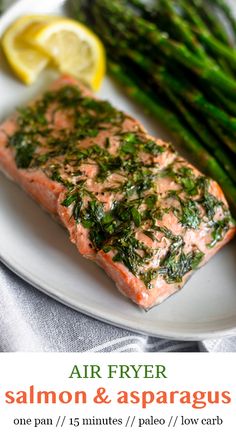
(89, 311)
(200, 336)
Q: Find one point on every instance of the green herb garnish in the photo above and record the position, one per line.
(66, 156)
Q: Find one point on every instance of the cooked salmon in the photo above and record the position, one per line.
(128, 200)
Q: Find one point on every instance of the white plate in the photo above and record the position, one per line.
(37, 249)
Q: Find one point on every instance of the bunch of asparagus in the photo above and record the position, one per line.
(177, 59)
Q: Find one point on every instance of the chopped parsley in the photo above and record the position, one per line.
(130, 174)
(190, 214)
(220, 228)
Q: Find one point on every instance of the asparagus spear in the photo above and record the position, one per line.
(171, 49)
(184, 30)
(212, 23)
(224, 7)
(193, 96)
(207, 138)
(163, 15)
(200, 102)
(196, 99)
(122, 30)
(228, 160)
(179, 132)
(217, 40)
(196, 12)
(191, 13)
(221, 50)
(225, 103)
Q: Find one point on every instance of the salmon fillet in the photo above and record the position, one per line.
(128, 200)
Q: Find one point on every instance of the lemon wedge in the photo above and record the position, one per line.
(72, 47)
(25, 61)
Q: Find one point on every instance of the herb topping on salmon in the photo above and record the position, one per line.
(129, 201)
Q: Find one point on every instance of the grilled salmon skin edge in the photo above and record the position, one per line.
(50, 194)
